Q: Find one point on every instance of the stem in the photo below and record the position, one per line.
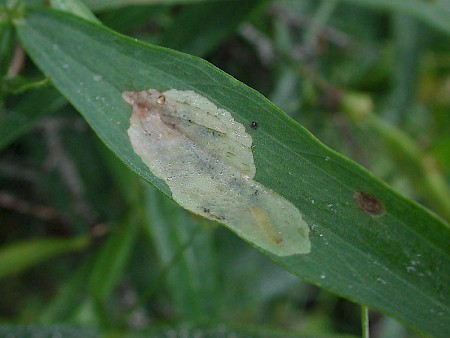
(364, 321)
(322, 15)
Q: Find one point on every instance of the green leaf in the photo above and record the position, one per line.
(218, 331)
(75, 7)
(435, 13)
(409, 46)
(225, 331)
(396, 262)
(31, 106)
(11, 10)
(416, 165)
(132, 18)
(6, 46)
(187, 32)
(184, 249)
(108, 4)
(68, 298)
(29, 331)
(19, 84)
(17, 257)
(112, 260)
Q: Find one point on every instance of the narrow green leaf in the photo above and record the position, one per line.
(112, 260)
(394, 258)
(67, 331)
(107, 4)
(6, 46)
(187, 33)
(226, 331)
(19, 84)
(132, 18)
(408, 43)
(416, 165)
(21, 116)
(128, 186)
(75, 7)
(185, 330)
(10, 10)
(17, 257)
(436, 13)
(191, 277)
(67, 301)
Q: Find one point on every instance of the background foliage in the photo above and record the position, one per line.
(371, 82)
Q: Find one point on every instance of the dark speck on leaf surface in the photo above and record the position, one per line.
(254, 125)
(369, 204)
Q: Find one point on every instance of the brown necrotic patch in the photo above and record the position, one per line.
(369, 203)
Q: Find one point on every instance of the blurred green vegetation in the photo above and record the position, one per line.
(371, 82)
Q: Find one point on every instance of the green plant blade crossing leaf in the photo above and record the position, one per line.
(395, 260)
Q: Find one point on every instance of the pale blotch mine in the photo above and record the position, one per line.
(205, 158)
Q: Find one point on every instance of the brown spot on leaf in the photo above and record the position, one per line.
(369, 203)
